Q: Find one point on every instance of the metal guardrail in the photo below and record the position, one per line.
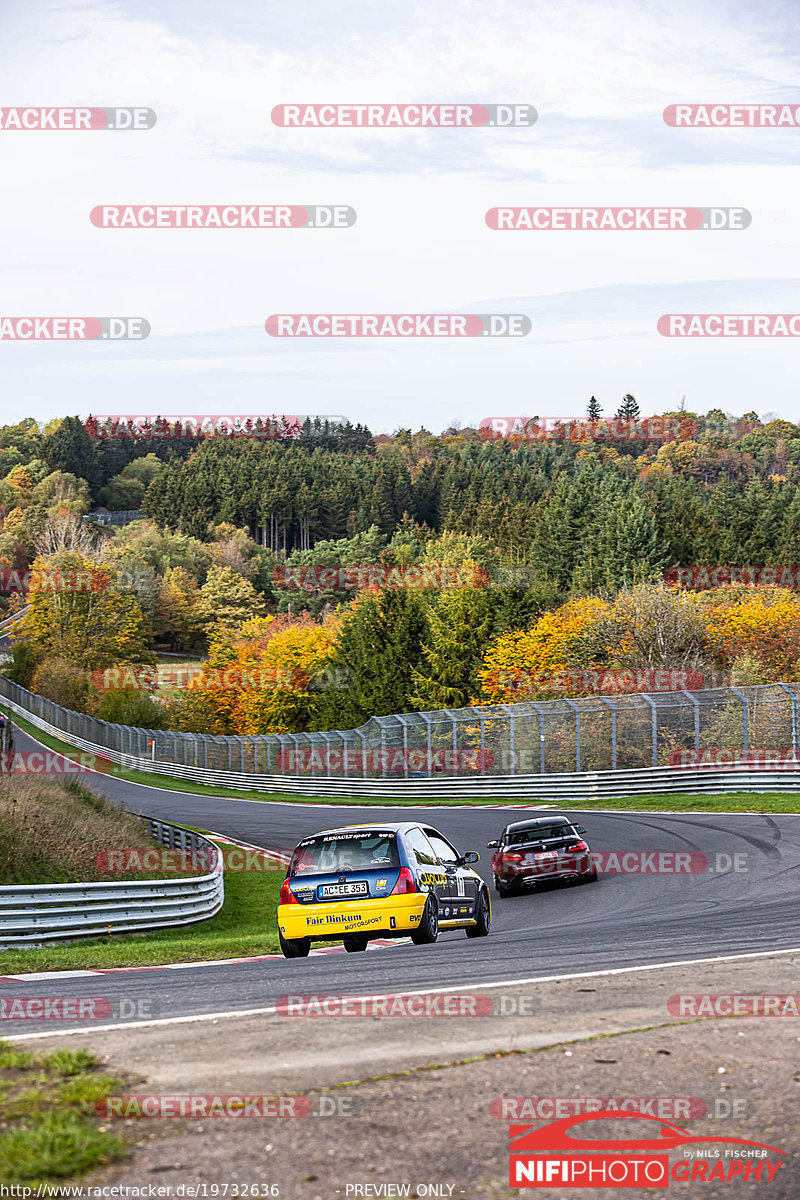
(780, 727)
(7, 626)
(33, 914)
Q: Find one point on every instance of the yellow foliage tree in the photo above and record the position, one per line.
(534, 663)
(762, 624)
(268, 679)
(77, 613)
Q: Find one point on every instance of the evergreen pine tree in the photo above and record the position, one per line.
(459, 628)
(640, 555)
(628, 409)
(380, 642)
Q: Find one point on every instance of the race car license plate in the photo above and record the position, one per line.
(334, 891)
(545, 855)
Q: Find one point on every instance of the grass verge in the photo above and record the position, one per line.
(244, 926)
(55, 830)
(773, 802)
(48, 1128)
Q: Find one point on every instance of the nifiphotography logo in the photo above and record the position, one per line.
(636, 1162)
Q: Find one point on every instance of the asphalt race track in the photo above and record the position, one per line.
(623, 920)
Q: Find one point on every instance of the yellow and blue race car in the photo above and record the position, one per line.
(391, 879)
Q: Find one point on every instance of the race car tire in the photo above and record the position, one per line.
(294, 947)
(428, 929)
(483, 922)
(355, 942)
(503, 889)
(591, 878)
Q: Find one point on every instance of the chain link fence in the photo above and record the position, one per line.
(628, 732)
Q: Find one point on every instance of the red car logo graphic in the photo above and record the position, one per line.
(555, 1136)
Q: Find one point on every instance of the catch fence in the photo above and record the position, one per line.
(537, 742)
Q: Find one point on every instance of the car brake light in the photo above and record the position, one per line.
(578, 846)
(287, 896)
(405, 883)
(514, 857)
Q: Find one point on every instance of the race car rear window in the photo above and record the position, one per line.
(538, 833)
(334, 853)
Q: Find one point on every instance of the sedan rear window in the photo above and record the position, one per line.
(539, 833)
(340, 853)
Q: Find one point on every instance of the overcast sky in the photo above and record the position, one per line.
(599, 74)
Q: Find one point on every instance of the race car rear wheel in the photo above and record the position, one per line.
(483, 917)
(502, 889)
(355, 942)
(295, 947)
(428, 929)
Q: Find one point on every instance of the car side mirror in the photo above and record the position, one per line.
(470, 857)
(492, 845)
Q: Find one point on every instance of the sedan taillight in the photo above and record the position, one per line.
(287, 896)
(577, 846)
(514, 856)
(405, 883)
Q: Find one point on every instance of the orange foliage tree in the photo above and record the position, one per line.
(760, 623)
(269, 678)
(534, 663)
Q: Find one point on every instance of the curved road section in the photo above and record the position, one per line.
(676, 888)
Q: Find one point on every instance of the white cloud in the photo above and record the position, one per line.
(600, 75)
